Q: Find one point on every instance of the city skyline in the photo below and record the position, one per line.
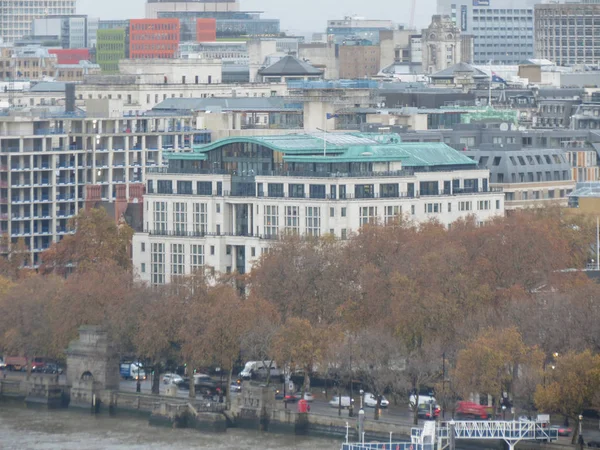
(302, 18)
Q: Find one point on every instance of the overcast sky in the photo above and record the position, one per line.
(295, 15)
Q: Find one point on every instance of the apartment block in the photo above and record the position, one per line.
(48, 158)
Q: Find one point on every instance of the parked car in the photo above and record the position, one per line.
(202, 382)
(308, 396)
(470, 410)
(2, 363)
(172, 378)
(51, 368)
(292, 398)
(370, 400)
(593, 444)
(428, 412)
(423, 398)
(562, 431)
(346, 401)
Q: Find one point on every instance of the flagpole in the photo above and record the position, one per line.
(325, 138)
(490, 87)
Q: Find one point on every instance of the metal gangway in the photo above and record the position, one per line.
(511, 432)
(434, 436)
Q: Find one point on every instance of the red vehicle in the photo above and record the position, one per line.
(470, 410)
(20, 363)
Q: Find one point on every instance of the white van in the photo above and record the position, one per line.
(259, 369)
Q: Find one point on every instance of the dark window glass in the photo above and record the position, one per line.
(317, 191)
(184, 187)
(275, 189)
(296, 190)
(165, 186)
(389, 190)
(204, 188)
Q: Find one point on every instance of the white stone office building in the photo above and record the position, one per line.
(224, 204)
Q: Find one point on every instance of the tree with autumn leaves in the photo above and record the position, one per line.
(472, 309)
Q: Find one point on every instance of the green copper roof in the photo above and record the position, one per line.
(344, 147)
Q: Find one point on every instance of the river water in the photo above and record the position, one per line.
(25, 429)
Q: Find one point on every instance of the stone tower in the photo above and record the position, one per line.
(441, 44)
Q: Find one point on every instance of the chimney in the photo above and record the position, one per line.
(120, 201)
(70, 97)
(93, 194)
(136, 192)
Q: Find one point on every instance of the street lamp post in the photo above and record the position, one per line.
(362, 394)
(580, 424)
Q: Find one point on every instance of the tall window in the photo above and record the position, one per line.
(160, 217)
(177, 259)
(271, 220)
(180, 218)
(313, 221)
(392, 213)
(196, 257)
(292, 219)
(200, 220)
(157, 254)
(368, 214)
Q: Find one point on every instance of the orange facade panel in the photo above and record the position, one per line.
(153, 38)
(206, 30)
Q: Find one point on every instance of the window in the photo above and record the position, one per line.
(389, 190)
(344, 234)
(253, 251)
(467, 141)
(483, 205)
(143, 268)
(412, 209)
(160, 217)
(313, 221)
(364, 191)
(228, 249)
(212, 250)
(449, 207)
(368, 214)
(343, 213)
(164, 186)
(392, 213)
(204, 188)
(158, 263)
(218, 208)
(292, 219)
(431, 208)
(296, 190)
(275, 189)
(199, 218)
(180, 218)
(497, 140)
(143, 246)
(177, 259)
(196, 257)
(465, 206)
(497, 160)
(317, 191)
(500, 177)
(184, 187)
(331, 212)
(271, 220)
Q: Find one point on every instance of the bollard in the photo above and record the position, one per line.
(361, 423)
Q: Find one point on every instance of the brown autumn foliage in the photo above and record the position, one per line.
(397, 297)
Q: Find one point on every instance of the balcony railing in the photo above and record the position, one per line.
(206, 234)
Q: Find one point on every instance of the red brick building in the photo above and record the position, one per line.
(70, 55)
(153, 38)
(206, 30)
